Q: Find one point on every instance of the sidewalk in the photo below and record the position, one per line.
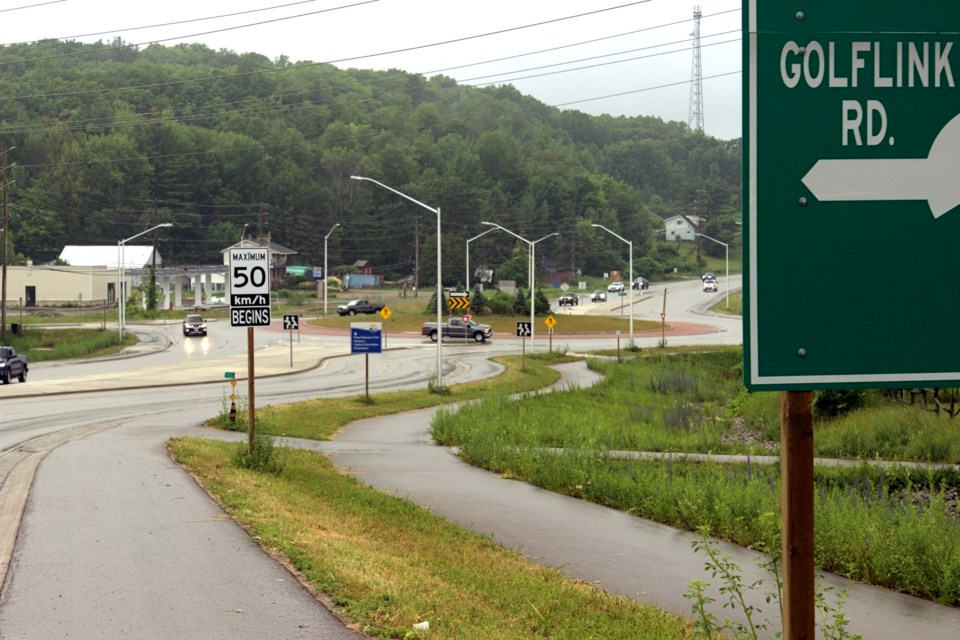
(152, 556)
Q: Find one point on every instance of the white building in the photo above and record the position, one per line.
(681, 227)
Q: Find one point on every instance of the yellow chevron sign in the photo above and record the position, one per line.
(459, 301)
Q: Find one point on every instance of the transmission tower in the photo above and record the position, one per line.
(695, 119)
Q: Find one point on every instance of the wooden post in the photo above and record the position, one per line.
(796, 457)
(251, 419)
(663, 320)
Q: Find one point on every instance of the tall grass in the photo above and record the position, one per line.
(65, 344)
(897, 528)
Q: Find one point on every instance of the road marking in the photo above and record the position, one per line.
(933, 178)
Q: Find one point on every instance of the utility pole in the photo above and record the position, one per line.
(6, 235)
(416, 258)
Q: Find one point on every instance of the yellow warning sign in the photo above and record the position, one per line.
(461, 301)
(550, 321)
(385, 313)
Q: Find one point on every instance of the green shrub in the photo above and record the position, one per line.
(837, 402)
(263, 458)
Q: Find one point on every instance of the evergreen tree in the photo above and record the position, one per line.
(478, 303)
(520, 305)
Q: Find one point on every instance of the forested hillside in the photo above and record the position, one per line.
(110, 139)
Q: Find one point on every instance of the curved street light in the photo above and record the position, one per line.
(121, 276)
(726, 251)
(439, 274)
(533, 277)
(630, 289)
(326, 275)
(530, 275)
(468, 254)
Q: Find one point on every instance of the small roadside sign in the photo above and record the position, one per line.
(564, 287)
(385, 313)
(291, 323)
(550, 321)
(523, 329)
(466, 318)
(366, 337)
(459, 300)
(229, 375)
(249, 287)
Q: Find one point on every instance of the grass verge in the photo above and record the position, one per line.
(320, 419)
(40, 345)
(390, 564)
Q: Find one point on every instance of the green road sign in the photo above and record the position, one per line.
(230, 375)
(852, 182)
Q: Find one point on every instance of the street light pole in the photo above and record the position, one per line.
(630, 289)
(325, 275)
(6, 242)
(533, 277)
(121, 276)
(726, 251)
(530, 274)
(468, 254)
(439, 275)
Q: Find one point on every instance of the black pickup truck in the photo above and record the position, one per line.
(12, 366)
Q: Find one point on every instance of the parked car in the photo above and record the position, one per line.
(710, 285)
(568, 299)
(12, 365)
(641, 283)
(194, 325)
(598, 296)
(615, 287)
(354, 307)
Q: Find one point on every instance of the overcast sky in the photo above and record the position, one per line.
(638, 48)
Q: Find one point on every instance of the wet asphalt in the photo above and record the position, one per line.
(155, 557)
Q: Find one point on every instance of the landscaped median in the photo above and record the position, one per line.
(389, 564)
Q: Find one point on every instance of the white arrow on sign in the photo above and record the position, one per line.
(934, 178)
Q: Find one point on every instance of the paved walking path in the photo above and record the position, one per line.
(153, 556)
(623, 554)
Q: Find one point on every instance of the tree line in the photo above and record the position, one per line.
(108, 139)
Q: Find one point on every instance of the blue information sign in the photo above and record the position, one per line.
(366, 337)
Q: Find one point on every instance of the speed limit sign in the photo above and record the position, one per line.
(249, 287)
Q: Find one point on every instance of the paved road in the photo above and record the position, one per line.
(83, 552)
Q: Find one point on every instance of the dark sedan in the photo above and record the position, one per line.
(194, 325)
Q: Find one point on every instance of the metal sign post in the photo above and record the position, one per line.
(366, 338)
(524, 329)
(551, 322)
(292, 323)
(250, 307)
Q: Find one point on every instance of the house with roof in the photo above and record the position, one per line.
(681, 227)
(365, 267)
(109, 256)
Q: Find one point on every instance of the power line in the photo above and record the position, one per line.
(299, 66)
(31, 6)
(178, 22)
